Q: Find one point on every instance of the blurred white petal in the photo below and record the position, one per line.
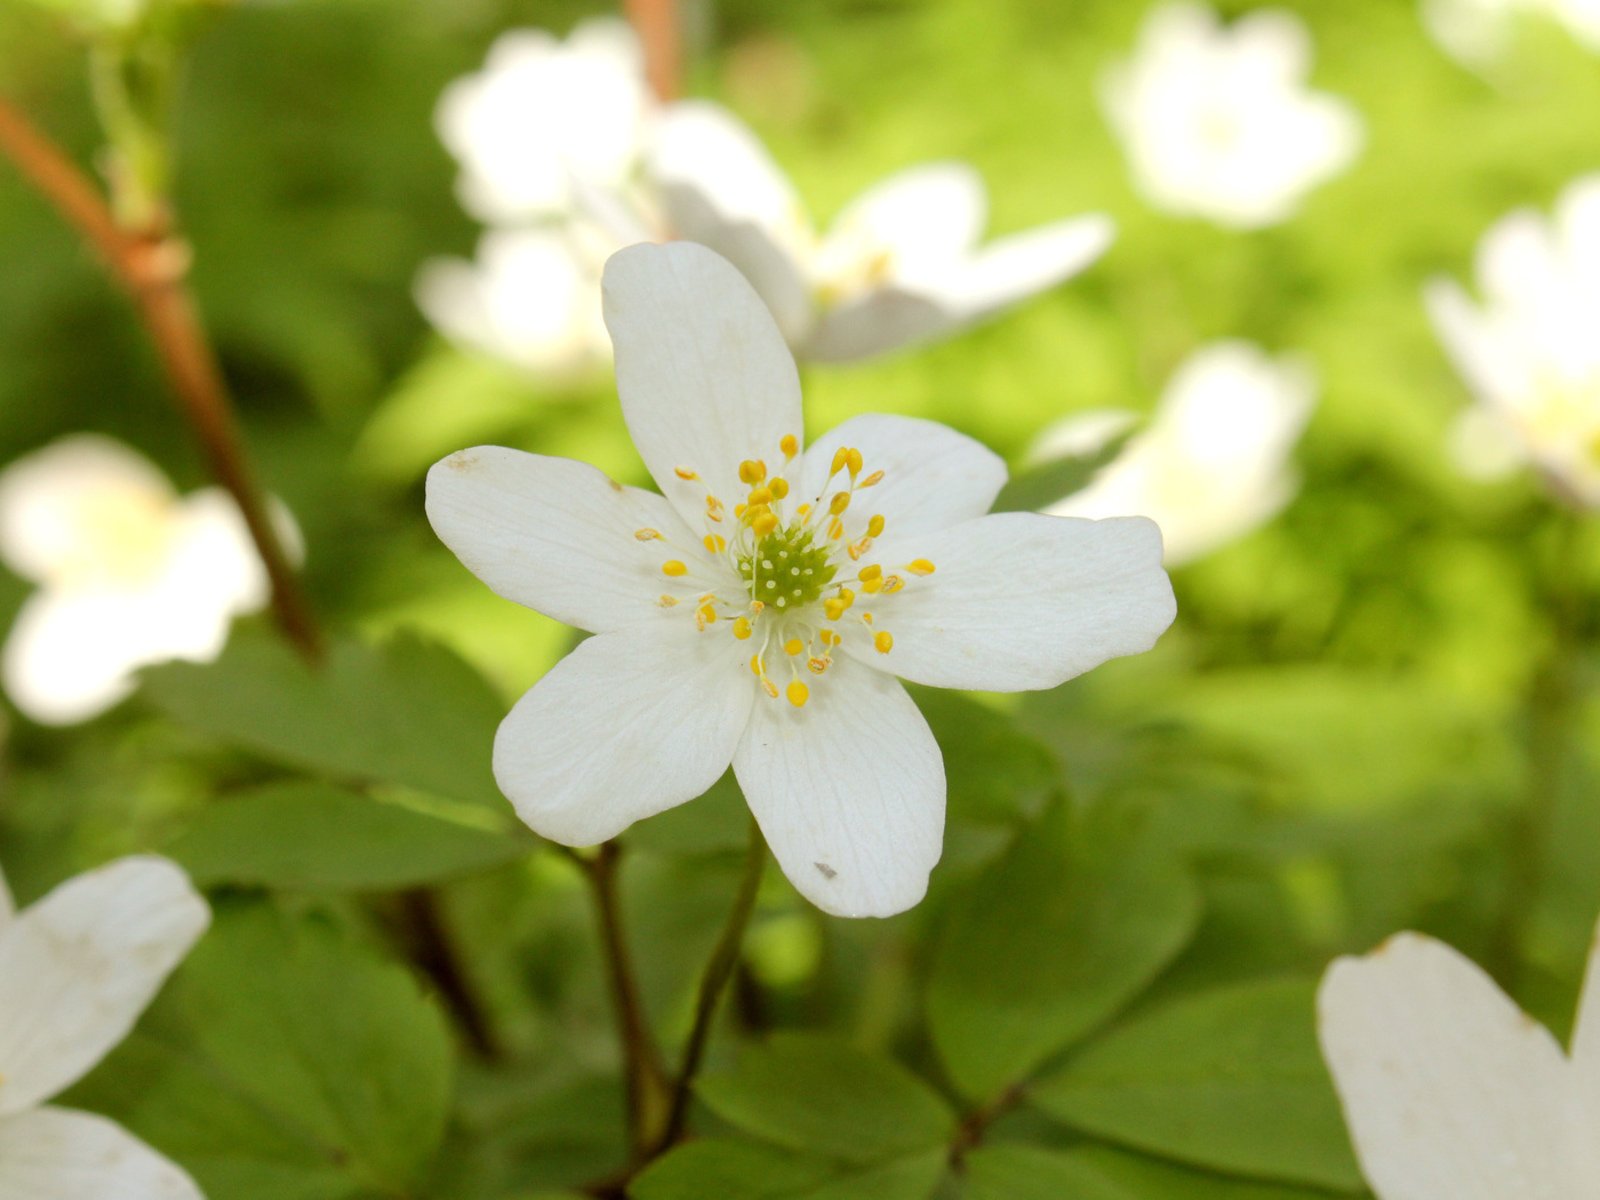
(60, 1154)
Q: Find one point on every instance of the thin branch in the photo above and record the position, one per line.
(152, 265)
(434, 952)
(656, 22)
(719, 968)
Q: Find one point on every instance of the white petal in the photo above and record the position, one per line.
(60, 1154)
(71, 656)
(557, 535)
(705, 378)
(923, 218)
(214, 561)
(1020, 601)
(1081, 435)
(877, 322)
(1586, 1040)
(1448, 1089)
(849, 792)
(933, 476)
(627, 725)
(78, 967)
(8, 905)
(55, 503)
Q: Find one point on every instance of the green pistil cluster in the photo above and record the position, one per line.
(786, 570)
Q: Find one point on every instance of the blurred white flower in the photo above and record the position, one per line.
(1476, 32)
(1212, 464)
(129, 574)
(1217, 122)
(531, 298)
(76, 970)
(759, 611)
(1530, 352)
(901, 264)
(1449, 1090)
(542, 111)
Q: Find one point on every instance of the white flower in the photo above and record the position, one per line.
(1449, 1090)
(759, 611)
(129, 574)
(901, 264)
(1219, 123)
(543, 111)
(76, 970)
(1529, 352)
(1213, 462)
(1478, 31)
(532, 299)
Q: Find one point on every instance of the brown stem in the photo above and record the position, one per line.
(719, 968)
(434, 952)
(656, 22)
(974, 1126)
(644, 1076)
(152, 265)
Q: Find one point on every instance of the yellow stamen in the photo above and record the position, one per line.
(674, 568)
(752, 470)
(793, 646)
(854, 462)
(779, 488)
(715, 544)
(839, 503)
(836, 529)
(803, 511)
(872, 480)
(872, 586)
(834, 607)
(757, 667)
(764, 522)
(760, 495)
(684, 473)
(875, 526)
(841, 459)
(790, 445)
(868, 574)
(666, 601)
(741, 628)
(920, 566)
(646, 535)
(816, 665)
(769, 687)
(893, 584)
(829, 637)
(883, 641)
(705, 613)
(798, 693)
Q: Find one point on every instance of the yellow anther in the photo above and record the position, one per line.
(872, 480)
(875, 526)
(803, 511)
(790, 445)
(847, 596)
(868, 574)
(854, 462)
(798, 693)
(793, 646)
(883, 641)
(674, 568)
(816, 665)
(893, 584)
(841, 459)
(857, 548)
(666, 601)
(760, 495)
(839, 503)
(920, 566)
(764, 522)
(872, 586)
(647, 535)
(684, 473)
(752, 470)
(834, 607)
(756, 606)
(741, 628)
(779, 487)
(740, 509)
(769, 687)
(836, 529)
(757, 667)
(715, 544)
(713, 508)
(706, 613)
(829, 637)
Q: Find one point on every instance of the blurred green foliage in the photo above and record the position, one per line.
(1144, 870)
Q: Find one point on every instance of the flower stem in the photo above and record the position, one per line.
(719, 969)
(151, 262)
(656, 23)
(644, 1076)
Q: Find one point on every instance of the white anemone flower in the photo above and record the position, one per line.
(1212, 464)
(1218, 122)
(531, 299)
(129, 574)
(759, 610)
(543, 111)
(1529, 352)
(1449, 1090)
(902, 264)
(76, 970)
(1476, 32)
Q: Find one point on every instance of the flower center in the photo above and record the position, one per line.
(799, 571)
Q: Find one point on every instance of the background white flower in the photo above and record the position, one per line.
(542, 111)
(1449, 1090)
(129, 574)
(1217, 122)
(1212, 464)
(901, 263)
(76, 970)
(1478, 31)
(1529, 351)
(758, 611)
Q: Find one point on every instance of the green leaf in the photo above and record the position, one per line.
(821, 1094)
(1139, 1178)
(1073, 922)
(731, 1170)
(1231, 1080)
(995, 774)
(1018, 1172)
(316, 836)
(408, 712)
